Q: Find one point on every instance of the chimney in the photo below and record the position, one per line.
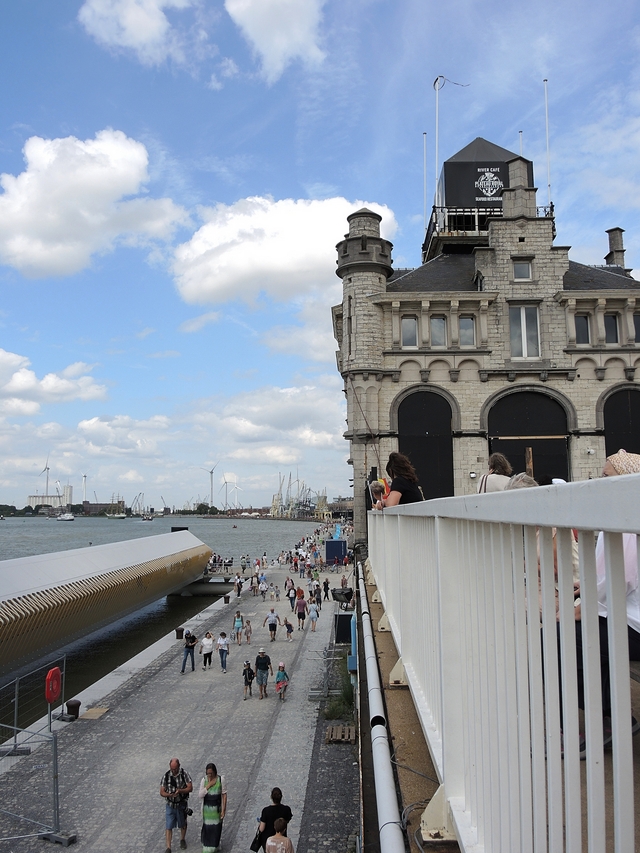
(615, 257)
(519, 199)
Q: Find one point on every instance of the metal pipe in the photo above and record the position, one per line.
(389, 822)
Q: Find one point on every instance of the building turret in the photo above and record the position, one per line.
(364, 264)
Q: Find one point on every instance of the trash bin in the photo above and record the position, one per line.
(73, 708)
(227, 599)
(179, 633)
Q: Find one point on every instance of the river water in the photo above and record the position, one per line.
(101, 652)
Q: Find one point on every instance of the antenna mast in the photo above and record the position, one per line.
(438, 83)
(424, 175)
(546, 117)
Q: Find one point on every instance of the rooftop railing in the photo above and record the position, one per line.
(479, 596)
(469, 220)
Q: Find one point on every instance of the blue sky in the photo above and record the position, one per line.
(175, 175)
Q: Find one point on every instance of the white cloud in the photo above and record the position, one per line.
(22, 393)
(137, 25)
(121, 435)
(279, 31)
(285, 248)
(198, 323)
(73, 200)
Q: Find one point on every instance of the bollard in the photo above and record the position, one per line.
(73, 708)
(179, 633)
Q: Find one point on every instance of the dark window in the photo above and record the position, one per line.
(636, 323)
(522, 270)
(611, 328)
(467, 332)
(409, 332)
(582, 329)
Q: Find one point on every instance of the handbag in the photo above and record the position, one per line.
(256, 843)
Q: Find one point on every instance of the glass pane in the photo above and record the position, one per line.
(515, 324)
(521, 269)
(467, 332)
(531, 320)
(438, 332)
(582, 329)
(409, 332)
(611, 328)
(636, 323)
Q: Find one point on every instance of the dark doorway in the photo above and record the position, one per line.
(527, 419)
(622, 421)
(424, 435)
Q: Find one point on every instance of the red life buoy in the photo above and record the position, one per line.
(53, 685)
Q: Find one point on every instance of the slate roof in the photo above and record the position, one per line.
(583, 277)
(445, 272)
(457, 271)
(481, 150)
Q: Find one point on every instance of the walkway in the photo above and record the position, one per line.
(111, 767)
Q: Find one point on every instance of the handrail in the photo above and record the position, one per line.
(478, 593)
(389, 823)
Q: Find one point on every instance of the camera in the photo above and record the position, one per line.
(189, 812)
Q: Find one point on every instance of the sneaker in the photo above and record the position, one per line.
(607, 730)
(183, 844)
(224, 670)
(168, 850)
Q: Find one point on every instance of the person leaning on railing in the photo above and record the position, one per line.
(615, 465)
(497, 477)
(405, 488)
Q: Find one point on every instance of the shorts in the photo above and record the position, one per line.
(301, 615)
(175, 816)
(262, 676)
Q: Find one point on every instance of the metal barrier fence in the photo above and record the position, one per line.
(29, 793)
(479, 595)
(22, 701)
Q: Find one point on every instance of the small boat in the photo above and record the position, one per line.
(147, 518)
(67, 516)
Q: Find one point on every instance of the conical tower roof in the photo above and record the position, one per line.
(481, 150)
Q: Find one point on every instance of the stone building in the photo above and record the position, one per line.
(497, 342)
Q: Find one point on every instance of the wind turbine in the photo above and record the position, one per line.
(210, 472)
(236, 489)
(225, 486)
(46, 468)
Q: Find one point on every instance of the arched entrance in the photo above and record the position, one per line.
(622, 421)
(424, 435)
(527, 424)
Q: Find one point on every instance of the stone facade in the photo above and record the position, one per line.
(495, 310)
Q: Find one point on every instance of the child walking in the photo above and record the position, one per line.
(289, 628)
(282, 680)
(247, 675)
(248, 631)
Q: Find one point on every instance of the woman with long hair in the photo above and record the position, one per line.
(213, 794)
(404, 488)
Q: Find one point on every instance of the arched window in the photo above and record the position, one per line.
(424, 435)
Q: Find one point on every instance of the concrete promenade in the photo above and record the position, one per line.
(111, 766)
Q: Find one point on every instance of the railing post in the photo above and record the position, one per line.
(451, 665)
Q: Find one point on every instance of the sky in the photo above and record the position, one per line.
(175, 175)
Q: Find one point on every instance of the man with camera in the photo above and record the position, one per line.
(175, 788)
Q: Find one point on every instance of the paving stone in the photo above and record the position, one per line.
(110, 768)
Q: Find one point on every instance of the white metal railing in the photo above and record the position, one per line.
(492, 668)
